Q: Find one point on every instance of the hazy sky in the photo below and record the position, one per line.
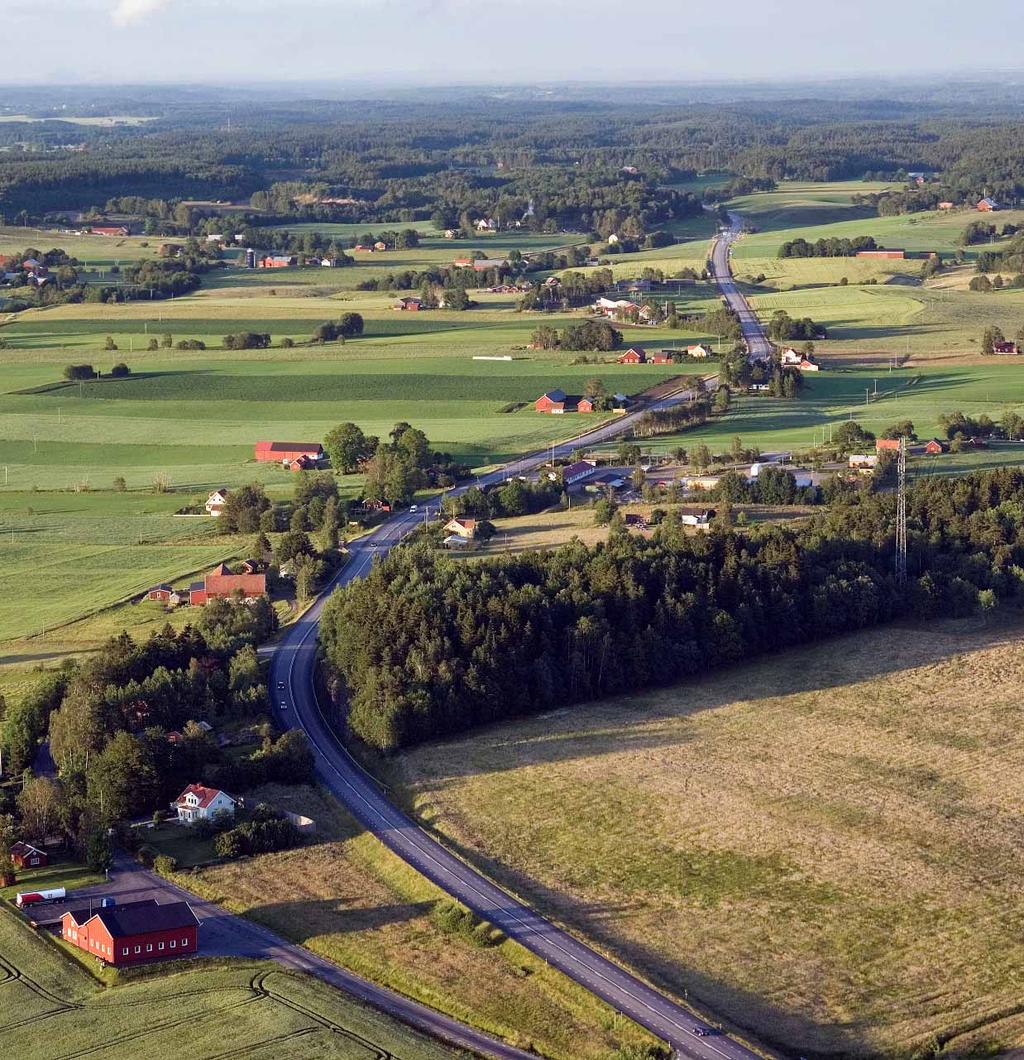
(117, 41)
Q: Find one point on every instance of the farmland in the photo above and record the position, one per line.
(821, 846)
(52, 1007)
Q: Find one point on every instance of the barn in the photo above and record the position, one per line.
(110, 230)
(162, 593)
(552, 401)
(286, 452)
(634, 355)
(133, 932)
(220, 582)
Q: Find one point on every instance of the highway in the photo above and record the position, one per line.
(292, 682)
(758, 346)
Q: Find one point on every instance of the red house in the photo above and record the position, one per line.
(133, 932)
(889, 445)
(634, 355)
(585, 405)
(161, 593)
(286, 452)
(26, 856)
(220, 582)
(552, 401)
(935, 447)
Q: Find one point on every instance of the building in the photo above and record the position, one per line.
(585, 405)
(988, 205)
(862, 461)
(577, 472)
(378, 246)
(552, 401)
(807, 365)
(1010, 349)
(164, 594)
(892, 255)
(286, 452)
(945, 206)
(197, 803)
(790, 358)
(26, 856)
(935, 447)
(634, 355)
(216, 501)
(409, 305)
(133, 932)
(699, 352)
(221, 583)
(277, 261)
(887, 445)
(462, 528)
(702, 518)
(110, 230)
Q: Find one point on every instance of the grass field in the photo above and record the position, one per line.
(50, 1007)
(348, 898)
(824, 847)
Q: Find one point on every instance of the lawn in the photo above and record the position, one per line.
(49, 1006)
(822, 847)
(347, 897)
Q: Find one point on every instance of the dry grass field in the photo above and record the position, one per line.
(348, 898)
(825, 847)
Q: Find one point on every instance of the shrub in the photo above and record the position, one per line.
(120, 370)
(165, 865)
(76, 372)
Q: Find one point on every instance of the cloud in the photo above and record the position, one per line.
(128, 12)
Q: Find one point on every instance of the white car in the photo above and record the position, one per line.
(284, 705)
(412, 507)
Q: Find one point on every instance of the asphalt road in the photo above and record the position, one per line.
(223, 934)
(758, 346)
(293, 665)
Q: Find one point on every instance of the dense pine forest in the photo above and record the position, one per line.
(428, 646)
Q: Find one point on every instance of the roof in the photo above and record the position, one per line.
(554, 395)
(163, 587)
(581, 467)
(138, 918)
(289, 447)
(197, 587)
(221, 582)
(468, 524)
(206, 795)
(22, 849)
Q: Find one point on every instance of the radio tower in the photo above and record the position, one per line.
(901, 514)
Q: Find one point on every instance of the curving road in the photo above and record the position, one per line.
(292, 682)
(758, 346)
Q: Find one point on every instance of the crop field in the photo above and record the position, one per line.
(347, 897)
(50, 1007)
(92, 251)
(822, 847)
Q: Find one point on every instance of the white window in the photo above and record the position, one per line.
(149, 947)
(124, 951)
(138, 949)
(161, 946)
(174, 942)
(184, 942)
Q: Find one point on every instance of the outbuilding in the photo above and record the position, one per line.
(133, 932)
(26, 856)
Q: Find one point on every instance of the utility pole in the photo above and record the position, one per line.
(901, 514)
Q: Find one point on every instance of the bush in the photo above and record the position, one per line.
(147, 855)
(76, 372)
(191, 344)
(165, 865)
(120, 370)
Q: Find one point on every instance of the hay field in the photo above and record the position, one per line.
(825, 847)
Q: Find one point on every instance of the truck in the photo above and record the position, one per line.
(24, 898)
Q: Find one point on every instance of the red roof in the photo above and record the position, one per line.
(284, 448)
(220, 583)
(206, 795)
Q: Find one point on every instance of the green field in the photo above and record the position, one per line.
(50, 1007)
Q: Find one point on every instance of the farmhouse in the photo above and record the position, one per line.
(552, 401)
(26, 856)
(286, 452)
(862, 461)
(133, 932)
(887, 445)
(634, 355)
(110, 230)
(409, 305)
(164, 594)
(807, 365)
(1010, 349)
(301, 463)
(699, 352)
(221, 583)
(277, 261)
(462, 528)
(577, 472)
(988, 205)
(790, 357)
(216, 501)
(379, 245)
(197, 803)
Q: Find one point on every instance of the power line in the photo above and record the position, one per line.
(901, 514)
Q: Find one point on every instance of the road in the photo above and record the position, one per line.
(758, 346)
(223, 934)
(292, 682)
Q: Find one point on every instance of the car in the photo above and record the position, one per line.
(701, 1032)
(284, 705)
(412, 507)
(280, 685)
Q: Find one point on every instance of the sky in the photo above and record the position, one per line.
(506, 41)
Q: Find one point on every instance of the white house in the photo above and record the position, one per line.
(463, 528)
(198, 803)
(578, 472)
(791, 358)
(216, 501)
(700, 352)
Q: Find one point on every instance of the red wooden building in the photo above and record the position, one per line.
(634, 355)
(286, 452)
(891, 445)
(110, 230)
(26, 856)
(133, 932)
(584, 405)
(935, 447)
(552, 401)
(220, 582)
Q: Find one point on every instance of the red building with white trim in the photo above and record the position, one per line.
(286, 452)
(133, 932)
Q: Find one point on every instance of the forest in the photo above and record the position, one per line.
(425, 647)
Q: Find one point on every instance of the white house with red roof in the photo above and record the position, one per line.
(198, 803)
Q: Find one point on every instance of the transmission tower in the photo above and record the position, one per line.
(901, 514)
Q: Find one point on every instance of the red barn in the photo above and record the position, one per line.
(110, 230)
(634, 355)
(552, 401)
(585, 405)
(220, 582)
(891, 445)
(286, 452)
(26, 856)
(161, 593)
(935, 447)
(133, 932)
(278, 261)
